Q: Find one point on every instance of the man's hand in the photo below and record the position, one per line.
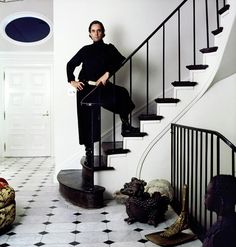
(79, 85)
(103, 79)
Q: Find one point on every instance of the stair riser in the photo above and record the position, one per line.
(183, 93)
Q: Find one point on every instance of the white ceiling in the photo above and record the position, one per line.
(40, 7)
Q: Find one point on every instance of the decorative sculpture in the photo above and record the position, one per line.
(181, 222)
(173, 235)
(142, 207)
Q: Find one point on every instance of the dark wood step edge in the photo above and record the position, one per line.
(167, 100)
(184, 83)
(224, 9)
(197, 67)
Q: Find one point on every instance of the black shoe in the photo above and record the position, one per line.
(127, 128)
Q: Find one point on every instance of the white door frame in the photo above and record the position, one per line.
(42, 59)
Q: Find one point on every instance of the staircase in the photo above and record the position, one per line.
(118, 161)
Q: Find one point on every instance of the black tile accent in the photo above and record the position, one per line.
(47, 223)
(75, 232)
(109, 242)
(105, 221)
(11, 233)
(39, 244)
(76, 222)
(74, 243)
(43, 233)
(107, 230)
(22, 215)
(104, 213)
(52, 207)
(31, 201)
(142, 241)
(77, 214)
(50, 214)
(4, 245)
(138, 229)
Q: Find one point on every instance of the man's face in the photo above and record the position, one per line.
(96, 33)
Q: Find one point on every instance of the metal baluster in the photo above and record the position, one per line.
(130, 84)
(194, 34)
(179, 48)
(114, 120)
(147, 64)
(207, 24)
(217, 15)
(163, 67)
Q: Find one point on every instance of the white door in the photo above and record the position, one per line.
(27, 111)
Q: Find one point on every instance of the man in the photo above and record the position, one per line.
(221, 199)
(99, 62)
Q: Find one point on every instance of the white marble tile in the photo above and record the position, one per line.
(92, 245)
(91, 237)
(124, 236)
(61, 227)
(58, 237)
(92, 217)
(29, 228)
(120, 225)
(128, 244)
(24, 238)
(91, 226)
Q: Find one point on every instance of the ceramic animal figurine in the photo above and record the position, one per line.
(141, 206)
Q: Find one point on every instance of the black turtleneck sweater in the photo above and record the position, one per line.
(96, 59)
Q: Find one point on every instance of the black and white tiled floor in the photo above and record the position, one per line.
(44, 218)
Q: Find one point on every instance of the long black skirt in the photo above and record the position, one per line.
(89, 102)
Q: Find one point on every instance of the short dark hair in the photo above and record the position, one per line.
(96, 22)
(224, 186)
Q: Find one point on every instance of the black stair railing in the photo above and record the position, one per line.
(194, 55)
(196, 156)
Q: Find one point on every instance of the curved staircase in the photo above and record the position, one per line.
(130, 157)
(169, 110)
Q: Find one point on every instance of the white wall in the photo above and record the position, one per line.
(216, 109)
(127, 24)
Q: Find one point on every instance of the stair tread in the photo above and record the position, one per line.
(117, 151)
(197, 67)
(224, 9)
(184, 83)
(209, 49)
(74, 190)
(217, 31)
(138, 134)
(150, 117)
(167, 100)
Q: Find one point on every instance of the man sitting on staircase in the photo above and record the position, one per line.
(99, 62)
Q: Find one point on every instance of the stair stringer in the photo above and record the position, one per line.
(132, 164)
